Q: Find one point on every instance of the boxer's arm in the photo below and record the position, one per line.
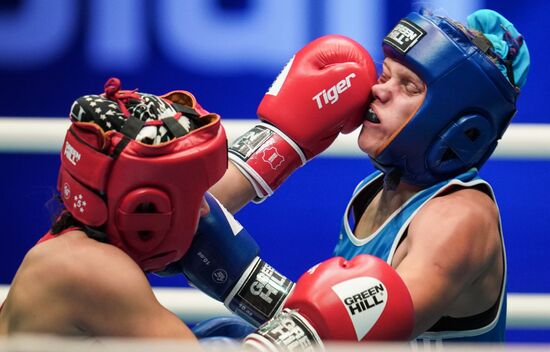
(453, 249)
(233, 190)
(323, 90)
(223, 261)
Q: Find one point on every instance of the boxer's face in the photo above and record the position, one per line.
(398, 94)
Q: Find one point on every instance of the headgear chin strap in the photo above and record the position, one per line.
(467, 108)
(145, 198)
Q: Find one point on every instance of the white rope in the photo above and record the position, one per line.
(45, 135)
(525, 311)
(528, 311)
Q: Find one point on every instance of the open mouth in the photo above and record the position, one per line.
(371, 116)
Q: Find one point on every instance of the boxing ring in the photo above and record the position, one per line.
(45, 135)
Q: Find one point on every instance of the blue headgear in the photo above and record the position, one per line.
(468, 106)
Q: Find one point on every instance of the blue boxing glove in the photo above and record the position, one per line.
(223, 332)
(223, 262)
(231, 327)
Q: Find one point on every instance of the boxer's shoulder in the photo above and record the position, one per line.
(72, 278)
(460, 208)
(464, 222)
(455, 242)
(74, 257)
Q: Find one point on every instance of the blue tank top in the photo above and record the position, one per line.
(487, 326)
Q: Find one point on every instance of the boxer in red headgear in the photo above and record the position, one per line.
(134, 171)
(142, 183)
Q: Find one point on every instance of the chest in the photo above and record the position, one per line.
(373, 219)
(376, 222)
(371, 227)
(370, 220)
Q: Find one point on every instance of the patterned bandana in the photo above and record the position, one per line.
(110, 111)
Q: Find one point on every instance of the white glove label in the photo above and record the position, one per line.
(280, 80)
(365, 299)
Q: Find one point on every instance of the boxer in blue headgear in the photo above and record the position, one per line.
(445, 96)
(451, 132)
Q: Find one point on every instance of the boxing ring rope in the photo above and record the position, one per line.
(531, 141)
(525, 311)
(45, 135)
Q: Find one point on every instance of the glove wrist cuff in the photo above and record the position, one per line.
(266, 157)
(288, 331)
(259, 294)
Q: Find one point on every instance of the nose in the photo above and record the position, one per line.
(381, 91)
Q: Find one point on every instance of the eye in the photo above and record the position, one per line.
(383, 78)
(411, 88)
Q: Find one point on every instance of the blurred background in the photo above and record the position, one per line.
(227, 52)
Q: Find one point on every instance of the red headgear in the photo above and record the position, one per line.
(145, 198)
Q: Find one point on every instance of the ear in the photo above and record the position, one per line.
(462, 145)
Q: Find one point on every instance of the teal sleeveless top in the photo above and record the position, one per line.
(487, 326)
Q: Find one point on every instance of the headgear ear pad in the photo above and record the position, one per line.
(143, 217)
(463, 143)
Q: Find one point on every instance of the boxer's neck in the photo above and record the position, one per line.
(393, 198)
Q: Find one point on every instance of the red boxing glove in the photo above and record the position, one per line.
(357, 300)
(324, 89)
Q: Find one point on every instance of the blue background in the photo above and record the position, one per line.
(227, 52)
